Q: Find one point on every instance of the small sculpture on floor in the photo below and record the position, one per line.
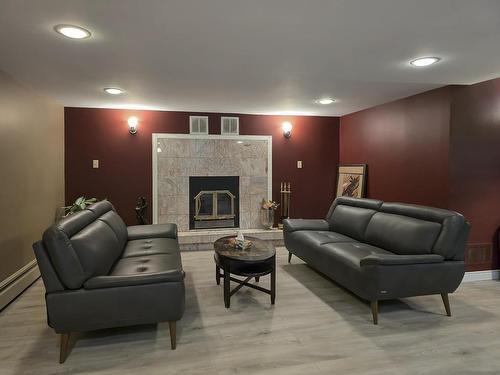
(140, 208)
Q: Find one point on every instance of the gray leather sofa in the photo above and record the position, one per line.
(383, 251)
(98, 273)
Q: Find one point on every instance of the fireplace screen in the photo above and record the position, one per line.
(213, 202)
(214, 205)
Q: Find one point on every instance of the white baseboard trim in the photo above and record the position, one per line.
(481, 275)
(14, 285)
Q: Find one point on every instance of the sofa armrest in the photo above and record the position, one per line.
(292, 225)
(393, 260)
(100, 282)
(138, 232)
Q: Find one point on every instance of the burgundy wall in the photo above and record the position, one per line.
(439, 148)
(125, 160)
(405, 144)
(475, 161)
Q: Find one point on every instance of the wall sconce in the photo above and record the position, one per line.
(287, 129)
(132, 124)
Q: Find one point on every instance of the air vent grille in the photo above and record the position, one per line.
(479, 254)
(198, 124)
(230, 125)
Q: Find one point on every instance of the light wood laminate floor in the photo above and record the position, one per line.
(315, 327)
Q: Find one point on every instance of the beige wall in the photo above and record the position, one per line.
(31, 170)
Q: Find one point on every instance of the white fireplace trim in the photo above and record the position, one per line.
(157, 136)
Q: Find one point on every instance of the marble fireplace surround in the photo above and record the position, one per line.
(176, 157)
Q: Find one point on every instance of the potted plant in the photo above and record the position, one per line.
(267, 208)
(80, 204)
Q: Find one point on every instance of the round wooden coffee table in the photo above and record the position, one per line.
(256, 261)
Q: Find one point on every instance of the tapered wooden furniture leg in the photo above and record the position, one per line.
(289, 257)
(63, 351)
(446, 302)
(227, 288)
(217, 275)
(173, 338)
(273, 282)
(374, 305)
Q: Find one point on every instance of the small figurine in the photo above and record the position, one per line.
(139, 210)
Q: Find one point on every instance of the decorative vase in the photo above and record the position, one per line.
(267, 217)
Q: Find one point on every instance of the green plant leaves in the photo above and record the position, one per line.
(80, 204)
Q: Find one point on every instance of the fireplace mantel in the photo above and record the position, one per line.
(176, 157)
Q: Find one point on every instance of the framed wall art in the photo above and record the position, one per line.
(351, 180)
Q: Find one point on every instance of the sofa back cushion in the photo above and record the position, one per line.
(452, 238)
(401, 228)
(105, 212)
(402, 234)
(84, 244)
(115, 222)
(97, 247)
(350, 216)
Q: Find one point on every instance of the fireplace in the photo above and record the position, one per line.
(214, 202)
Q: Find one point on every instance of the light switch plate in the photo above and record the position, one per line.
(95, 163)
(299, 164)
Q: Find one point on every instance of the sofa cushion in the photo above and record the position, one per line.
(372, 204)
(100, 208)
(141, 278)
(116, 223)
(351, 253)
(350, 221)
(136, 232)
(402, 234)
(60, 249)
(150, 246)
(292, 225)
(147, 264)
(395, 260)
(307, 238)
(97, 248)
(450, 243)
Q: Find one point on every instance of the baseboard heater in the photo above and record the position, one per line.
(16, 283)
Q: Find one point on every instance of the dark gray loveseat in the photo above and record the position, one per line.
(98, 273)
(383, 250)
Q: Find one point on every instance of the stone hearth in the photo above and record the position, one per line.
(177, 157)
(195, 240)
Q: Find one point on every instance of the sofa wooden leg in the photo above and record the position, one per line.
(173, 339)
(289, 257)
(374, 305)
(63, 350)
(446, 302)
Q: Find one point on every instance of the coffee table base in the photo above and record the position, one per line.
(228, 278)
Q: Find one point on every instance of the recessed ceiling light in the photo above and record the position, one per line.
(424, 61)
(113, 90)
(325, 101)
(73, 32)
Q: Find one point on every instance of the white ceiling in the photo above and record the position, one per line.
(248, 56)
